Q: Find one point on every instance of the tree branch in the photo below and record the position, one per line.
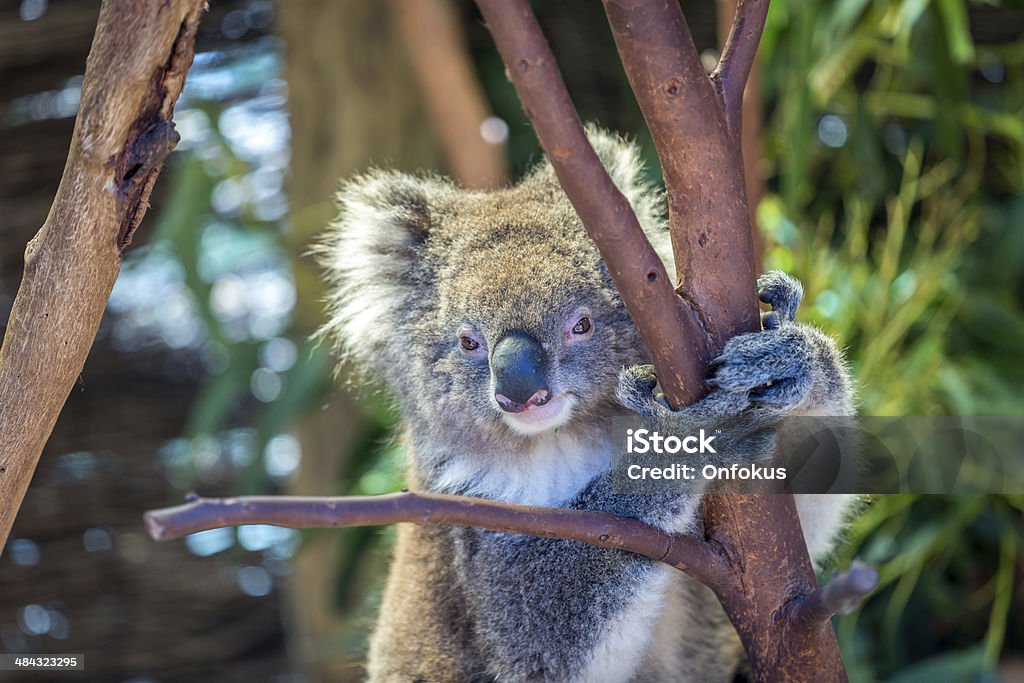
(451, 92)
(708, 214)
(753, 555)
(609, 219)
(730, 76)
(841, 595)
(752, 122)
(686, 553)
(135, 72)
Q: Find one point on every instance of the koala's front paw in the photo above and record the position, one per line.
(772, 369)
(783, 293)
(636, 391)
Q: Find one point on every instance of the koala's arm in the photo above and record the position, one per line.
(421, 632)
(786, 369)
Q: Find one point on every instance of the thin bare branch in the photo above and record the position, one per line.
(730, 76)
(752, 123)
(135, 72)
(841, 595)
(451, 92)
(609, 219)
(600, 529)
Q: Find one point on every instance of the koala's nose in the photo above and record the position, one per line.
(518, 364)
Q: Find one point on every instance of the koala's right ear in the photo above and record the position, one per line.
(371, 255)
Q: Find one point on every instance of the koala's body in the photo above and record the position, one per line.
(495, 324)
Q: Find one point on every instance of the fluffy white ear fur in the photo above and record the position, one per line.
(370, 255)
(625, 165)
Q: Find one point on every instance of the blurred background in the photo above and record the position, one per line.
(886, 154)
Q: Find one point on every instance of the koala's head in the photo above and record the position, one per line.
(490, 311)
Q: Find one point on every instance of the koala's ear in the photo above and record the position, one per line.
(372, 258)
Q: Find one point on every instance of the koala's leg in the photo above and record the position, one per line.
(422, 633)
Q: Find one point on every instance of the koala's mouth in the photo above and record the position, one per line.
(535, 419)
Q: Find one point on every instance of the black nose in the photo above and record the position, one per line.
(518, 363)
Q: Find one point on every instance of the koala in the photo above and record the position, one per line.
(495, 324)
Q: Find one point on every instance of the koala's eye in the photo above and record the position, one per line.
(582, 326)
(468, 343)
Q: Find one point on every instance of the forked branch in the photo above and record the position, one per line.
(705, 560)
(753, 555)
(702, 164)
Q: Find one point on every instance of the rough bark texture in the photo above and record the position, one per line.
(771, 575)
(695, 121)
(135, 71)
(697, 139)
(753, 555)
(696, 124)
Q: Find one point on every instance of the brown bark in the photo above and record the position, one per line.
(753, 555)
(455, 102)
(751, 136)
(135, 72)
(697, 138)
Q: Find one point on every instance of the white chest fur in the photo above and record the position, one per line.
(551, 470)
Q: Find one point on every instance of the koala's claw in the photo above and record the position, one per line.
(783, 293)
(771, 320)
(636, 390)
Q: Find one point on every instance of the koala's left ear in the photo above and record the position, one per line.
(372, 256)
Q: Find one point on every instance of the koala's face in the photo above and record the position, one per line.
(529, 331)
(490, 312)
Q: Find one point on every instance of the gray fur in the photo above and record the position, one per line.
(413, 262)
